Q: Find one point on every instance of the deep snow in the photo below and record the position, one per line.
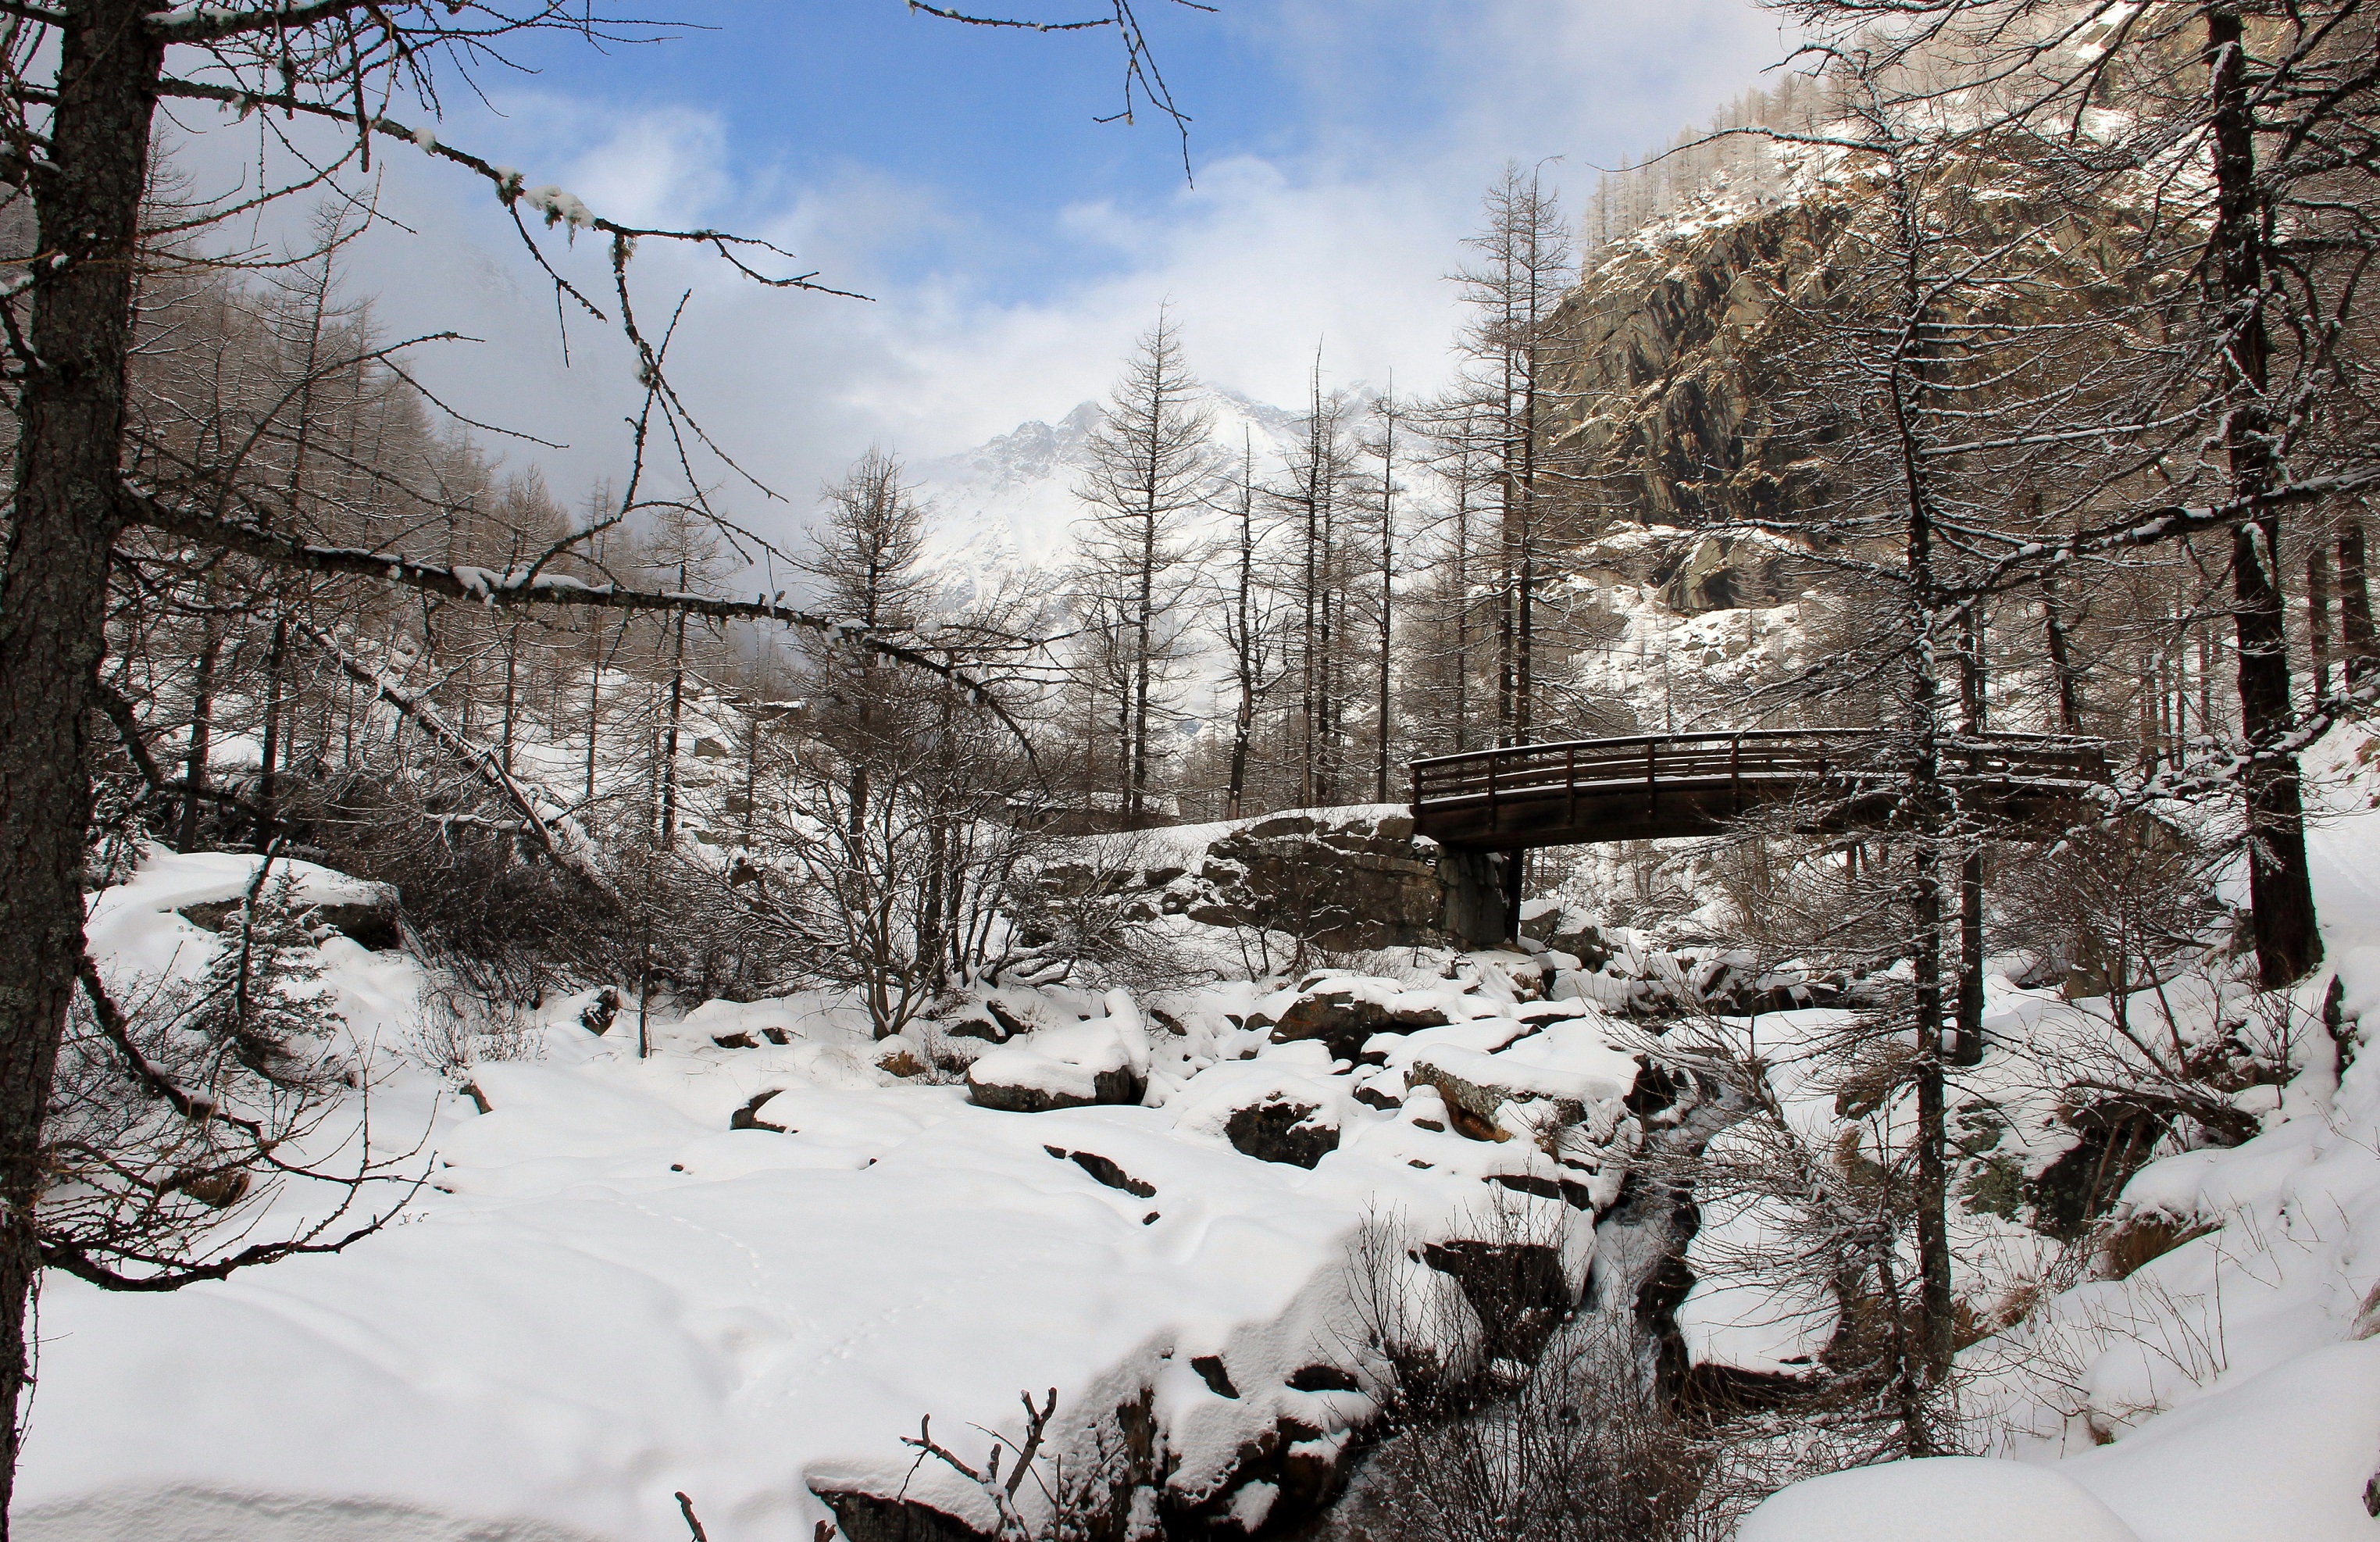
(2230, 1388)
(608, 1295)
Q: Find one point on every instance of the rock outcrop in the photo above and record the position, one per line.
(1345, 878)
(1667, 353)
(1340, 878)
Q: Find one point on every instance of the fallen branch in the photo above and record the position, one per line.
(556, 832)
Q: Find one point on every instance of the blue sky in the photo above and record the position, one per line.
(1001, 126)
(1014, 246)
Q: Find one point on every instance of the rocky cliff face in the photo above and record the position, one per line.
(1666, 354)
(1682, 341)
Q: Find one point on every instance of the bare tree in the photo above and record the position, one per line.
(1382, 445)
(1315, 509)
(1510, 349)
(1249, 625)
(1152, 462)
(865, 559)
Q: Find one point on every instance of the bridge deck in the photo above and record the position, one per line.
(1661, 786)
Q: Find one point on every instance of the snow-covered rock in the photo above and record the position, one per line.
(1568, 1073)
(1943, 1499)
(1286, 1107)
(1341, 1011)
(1102, 1061)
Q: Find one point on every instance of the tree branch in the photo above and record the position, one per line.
(517, 588)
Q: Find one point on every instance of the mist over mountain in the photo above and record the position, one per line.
(1010, 504)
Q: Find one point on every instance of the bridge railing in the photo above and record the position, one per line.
(1526, 772)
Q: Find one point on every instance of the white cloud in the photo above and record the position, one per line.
(1342, 239)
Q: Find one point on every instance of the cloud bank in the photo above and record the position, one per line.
(1329, 225)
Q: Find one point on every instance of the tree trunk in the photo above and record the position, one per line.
(275, 659)
(54, 601)
(1463, 611)
(1137, 791)
(669, 735)
(1967, 1049)
(202, 723)
(1244, 638)
(751, 767)
(2318, 617)
(1507, 605)
(2359, 650)
(2062, 661)
(1910, 387)
(594, 710)
(512, 691)
(2280, 885)
(1388, 597)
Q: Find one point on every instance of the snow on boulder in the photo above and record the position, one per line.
(1568, 1074)
(1343, 1011)
(163, 919)
(1940, 1499)
(1102, 1061)
(1131, 1030)
(1284, 1107)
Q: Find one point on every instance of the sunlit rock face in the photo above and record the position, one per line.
(1665, 351)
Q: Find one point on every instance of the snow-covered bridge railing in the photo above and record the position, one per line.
(1663, 786)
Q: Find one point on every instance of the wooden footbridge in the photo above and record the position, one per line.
(1666, 785)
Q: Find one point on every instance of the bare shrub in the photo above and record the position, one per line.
(1043, 1495)
(172, 1124)
(454, 1031)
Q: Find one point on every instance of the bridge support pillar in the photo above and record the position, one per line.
(1472, 910)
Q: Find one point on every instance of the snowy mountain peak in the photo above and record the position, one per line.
(1009, 504)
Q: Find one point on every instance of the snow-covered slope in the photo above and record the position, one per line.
(2229, 1387)
(749, 1264)
(1009, 504)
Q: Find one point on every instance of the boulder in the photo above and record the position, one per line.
(1519, 1290)
(1562, 1076)
(1342, 1012)
(996, 1025)
(370, 922)
(1284, 1106)
(865, 1517)
(370, 918)
(1102, 1061)
(1105, 1169)
(1280, 1129)
(748, 1116)
(899, 1056)
(600, 1013)
(1029, 1083)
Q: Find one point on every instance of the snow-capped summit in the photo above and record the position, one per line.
(1010, 504)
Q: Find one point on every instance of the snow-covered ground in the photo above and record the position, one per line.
(609, 1293)
(2228, 1388)
(606, 1296)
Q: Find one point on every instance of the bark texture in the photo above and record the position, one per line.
(53, 603)
(2279, 883)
